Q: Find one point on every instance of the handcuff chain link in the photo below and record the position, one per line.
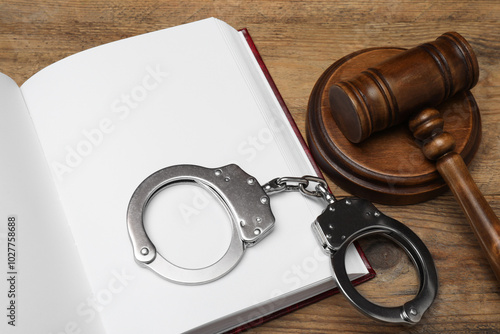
(301, 184)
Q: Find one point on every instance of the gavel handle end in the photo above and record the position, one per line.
(482, 218)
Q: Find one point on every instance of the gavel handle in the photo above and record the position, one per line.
(480, 215)
(427, 126)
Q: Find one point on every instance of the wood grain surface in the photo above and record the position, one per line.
(298, 40)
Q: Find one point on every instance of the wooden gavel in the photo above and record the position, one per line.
(408, 86)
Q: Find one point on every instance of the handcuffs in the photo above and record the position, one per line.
(248, 204)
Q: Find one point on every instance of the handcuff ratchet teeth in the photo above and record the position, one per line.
(248, 204)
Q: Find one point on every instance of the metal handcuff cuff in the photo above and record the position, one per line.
(338, 226)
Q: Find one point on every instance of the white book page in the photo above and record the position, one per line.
(110, 116)
(43, 286)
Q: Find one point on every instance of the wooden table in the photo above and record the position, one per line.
(298, 41)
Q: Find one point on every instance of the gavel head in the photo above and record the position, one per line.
(388, 93)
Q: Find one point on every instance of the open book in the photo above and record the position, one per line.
(79, 136)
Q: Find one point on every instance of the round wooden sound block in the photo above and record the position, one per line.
(389, 166)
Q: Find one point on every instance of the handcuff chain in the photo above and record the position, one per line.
(300, 184)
